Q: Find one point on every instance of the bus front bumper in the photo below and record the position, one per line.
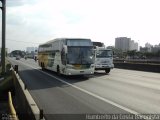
(80, 72)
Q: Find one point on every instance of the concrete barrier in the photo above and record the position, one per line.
(138, 66)
(26, 107)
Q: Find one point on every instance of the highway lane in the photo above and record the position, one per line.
(121, 91)
(55, 97)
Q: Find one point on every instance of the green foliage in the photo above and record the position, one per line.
(18, 52)
(135, 54)
(7, 82)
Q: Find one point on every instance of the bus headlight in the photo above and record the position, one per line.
(92, 66)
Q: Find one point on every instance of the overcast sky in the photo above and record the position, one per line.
(31, 22)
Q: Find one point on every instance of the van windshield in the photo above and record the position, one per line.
(104, 53)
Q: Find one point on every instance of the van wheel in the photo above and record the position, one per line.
(107, 70)
(58, 70)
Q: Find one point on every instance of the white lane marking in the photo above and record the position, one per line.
(85, 91)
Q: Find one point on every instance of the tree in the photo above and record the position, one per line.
(131, 53)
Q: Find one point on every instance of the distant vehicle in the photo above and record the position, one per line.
(68, 56)
(103, 58)
(18, 57)
(35, 58)
(30, 55)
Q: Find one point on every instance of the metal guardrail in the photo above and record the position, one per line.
(138, 66)
(144, 61)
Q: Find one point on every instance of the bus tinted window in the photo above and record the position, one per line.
(79, 42)
(80, 55)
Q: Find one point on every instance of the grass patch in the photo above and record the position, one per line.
(7, 83)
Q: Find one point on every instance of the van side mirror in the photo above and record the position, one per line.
(113, 53)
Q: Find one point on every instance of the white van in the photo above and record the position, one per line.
(103, 59)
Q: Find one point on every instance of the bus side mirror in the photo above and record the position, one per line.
(65, 49)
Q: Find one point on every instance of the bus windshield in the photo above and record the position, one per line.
(104, 53)
(80, 55)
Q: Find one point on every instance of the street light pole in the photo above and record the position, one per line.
(3, 8)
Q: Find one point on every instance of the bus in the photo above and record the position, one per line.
(103, 57)
(67, 56)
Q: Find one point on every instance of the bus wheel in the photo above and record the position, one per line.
(58, 70)
(42, 65)
(107, 70)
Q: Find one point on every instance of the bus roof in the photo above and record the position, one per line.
(58, 39)
(102, 48)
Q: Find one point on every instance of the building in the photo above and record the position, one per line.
(122, 43)
(143, 49)
(31, 49)
(125, 44)
(135, 46)
(149, 47)
(31, 52)
(156, 48)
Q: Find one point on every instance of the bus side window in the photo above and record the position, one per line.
(53, 57)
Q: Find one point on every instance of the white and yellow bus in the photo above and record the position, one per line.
(68, 56)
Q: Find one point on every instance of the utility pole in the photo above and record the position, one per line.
(3, 49)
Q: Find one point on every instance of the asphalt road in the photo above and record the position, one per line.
(120, 91)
